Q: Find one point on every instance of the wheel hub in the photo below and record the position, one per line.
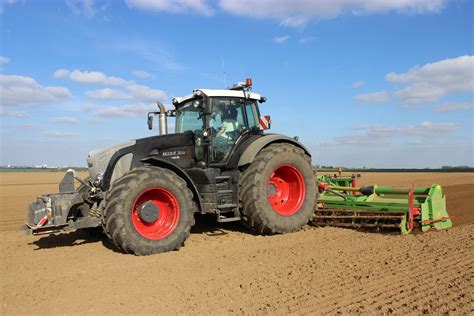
(286, 190)
(271, 189)
(155, 213)
(148, 212)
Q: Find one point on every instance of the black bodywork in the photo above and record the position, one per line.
(215, 186)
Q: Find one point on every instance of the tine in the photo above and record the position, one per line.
(357, 219)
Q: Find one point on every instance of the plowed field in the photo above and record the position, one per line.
(224, 268)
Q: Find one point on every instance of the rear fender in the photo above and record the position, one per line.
(258, 144)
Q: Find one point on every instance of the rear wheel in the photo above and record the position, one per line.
(278, 190)
(149, 210)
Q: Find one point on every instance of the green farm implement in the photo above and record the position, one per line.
(342, 203)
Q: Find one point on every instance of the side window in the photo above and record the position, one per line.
(252, 115)
(240, 117)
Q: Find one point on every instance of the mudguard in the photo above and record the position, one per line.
(258, 144)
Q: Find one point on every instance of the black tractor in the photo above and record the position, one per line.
(145, 193)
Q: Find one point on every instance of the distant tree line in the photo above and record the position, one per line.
(322, 168)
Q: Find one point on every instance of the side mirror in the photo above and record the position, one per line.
(150, 121)
(265, 122)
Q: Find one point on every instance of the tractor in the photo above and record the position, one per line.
(145, 193)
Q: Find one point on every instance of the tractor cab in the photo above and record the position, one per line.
(218, 117)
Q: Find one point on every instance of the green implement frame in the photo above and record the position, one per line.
(342, 203)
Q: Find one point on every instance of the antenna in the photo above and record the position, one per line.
(223, 72)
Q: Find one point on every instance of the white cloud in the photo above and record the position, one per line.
(374, 97)
(61, 73)
(7, 113)
(358, 84)
(424, 129)
(435, 80)
(127, 110)
(378, 134)
(65, 120)
(137, 91)
(4, 3)
(95, 77)
(4, 60)
(453, 107)
(61, 134)
(143, 74)
(88, 77)
(19, 90)
(306, 40)
(297, 13)
(294, 21)
(89, 8)
(281, 39)
(172, 6)
(87, 107)
(141, 92)
(108, 94)
(96, 120)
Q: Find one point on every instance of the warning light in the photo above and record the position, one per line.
(248, 82)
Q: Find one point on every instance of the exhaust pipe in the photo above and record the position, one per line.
(162, 118)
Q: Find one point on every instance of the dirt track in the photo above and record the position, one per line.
(225, 269)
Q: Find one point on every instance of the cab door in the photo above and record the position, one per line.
(227, 124)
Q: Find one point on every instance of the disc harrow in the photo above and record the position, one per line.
(342, 203)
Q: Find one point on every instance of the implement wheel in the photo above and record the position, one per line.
(149, 210)
(278, 190)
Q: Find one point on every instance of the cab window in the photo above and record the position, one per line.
(189, 118)
(252, 114)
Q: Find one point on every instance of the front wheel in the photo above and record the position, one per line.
(278, 190)
(149, 210)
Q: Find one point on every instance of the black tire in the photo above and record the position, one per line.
(122, 198)
(254, 190)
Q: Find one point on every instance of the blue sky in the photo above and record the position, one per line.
(362, 83)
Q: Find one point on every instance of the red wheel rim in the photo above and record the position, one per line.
(167, 218)
(286, 190)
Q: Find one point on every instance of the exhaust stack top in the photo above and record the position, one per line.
(162, 118)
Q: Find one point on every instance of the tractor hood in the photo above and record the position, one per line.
(112, 162)
(98, 159)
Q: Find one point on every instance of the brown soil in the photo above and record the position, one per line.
(225, 269)
(460, 203)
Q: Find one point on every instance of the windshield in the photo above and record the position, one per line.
(189, 118)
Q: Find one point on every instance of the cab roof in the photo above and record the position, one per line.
(218, 93)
